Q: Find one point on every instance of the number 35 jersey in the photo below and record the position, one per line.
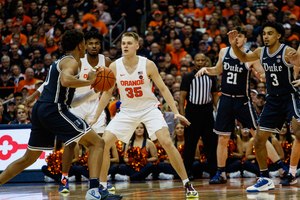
(136, 89)
(279, 74)
(235, 76)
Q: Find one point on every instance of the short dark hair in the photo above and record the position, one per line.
(277, 26)
(71, 39)
(93, 34)
(240, 30)
(18, 94)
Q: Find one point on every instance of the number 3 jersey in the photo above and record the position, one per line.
(279, 74)
(235, 76)
(136, 89)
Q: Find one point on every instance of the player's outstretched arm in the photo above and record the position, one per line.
(69, 68)
(152, 72)
(212, 71)
(292, 56)
(104, 98)
(242, 56)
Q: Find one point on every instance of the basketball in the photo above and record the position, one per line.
(105, 80)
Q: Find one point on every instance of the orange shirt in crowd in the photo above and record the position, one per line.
(26, 20)
(295, 10)
(100, 25)
(155, 23)
(23, 39)
(30, 85)
(177, 56)
(217, 32)
(51, 49)
(196, 13)
(226, 13)
(207, 14)
(168, 48)
(292, 37)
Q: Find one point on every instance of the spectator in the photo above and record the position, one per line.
(195, 13)
(169, 81)
(33, 9)
(288, 35)
(5, 67)
(8, 28)
(150, 17)
(10, 114)
(260, 103)
(16, 29)
(99, 25)
(1, 113)
(25, 92)
(202, 47)
(227, 11)
(261, 87)
(53, 20)
(18, 97)
(178, 53)
(157, 23)
(88, 21)
(28, 30)
(294, 25)
(20, 12)
(161, 65)
(47, 61)
(142, 51)
(256, 27)
(17, 76)
(40, 34)
(169, 117)
(29, 82)
(35, 46)
(206, 14)
(59, 52)
(249, 34)
(103, 16)
(7, 87)
(40, 72)
(63, 15)
(168, 60)
(26, 64)
(154, 53)
(50, 45)
(15, 58)
(292, 8)
(259, 4)
(21, 114)
(69, 24)
(188, 33)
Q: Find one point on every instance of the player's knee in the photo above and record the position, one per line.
(297, 135)
(223, 139)
(167, 144)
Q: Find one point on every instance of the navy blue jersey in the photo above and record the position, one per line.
(235, 76)
(279, 74)
(53, 91)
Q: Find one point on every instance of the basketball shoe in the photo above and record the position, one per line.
(93, 194)
(105, 194)
(263, 184)
(289, 180)
(218, 179)
(64, 186)
(110, 187)
(190, 191)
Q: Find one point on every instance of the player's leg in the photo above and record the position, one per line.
(221, 158)
(19, 165)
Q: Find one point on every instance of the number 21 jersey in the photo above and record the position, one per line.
(279, 74)
(136, 89)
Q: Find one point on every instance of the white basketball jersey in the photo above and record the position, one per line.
(85, 69)
(136, 89)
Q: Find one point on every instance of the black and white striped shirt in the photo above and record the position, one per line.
(199, 89)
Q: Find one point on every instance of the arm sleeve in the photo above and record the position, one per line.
(78, 99)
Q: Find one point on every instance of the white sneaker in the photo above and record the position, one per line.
(83, 178)
(247, 174)
(274, 174)
(235, 174)
(120, 177)
(149, 177)
(72, 179)
(205, 175)
(263, 184)
(163, 176)
(93, 194)
(109, 177)
(47, 179)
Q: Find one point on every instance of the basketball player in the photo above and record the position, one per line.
(51, 116)
(235, 102)
(133, 75)
(282, 99)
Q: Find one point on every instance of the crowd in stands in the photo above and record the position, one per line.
(175, 31)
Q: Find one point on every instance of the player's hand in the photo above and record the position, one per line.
(201, 72)
(296, 83)
(183, 119)
(293, 58)
(92, 76)
(232, 37)
(30, 99)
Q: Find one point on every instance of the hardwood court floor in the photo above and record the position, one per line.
(162, 190)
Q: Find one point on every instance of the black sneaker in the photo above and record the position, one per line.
(284, 174)
(218, 179)
(106, 195)
(289, 180)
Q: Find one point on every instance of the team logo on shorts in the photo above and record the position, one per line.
(140, 73)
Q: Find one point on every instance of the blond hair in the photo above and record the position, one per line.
(131, 34)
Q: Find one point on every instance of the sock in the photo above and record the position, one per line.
(280, 165)
(264, 173)
(293, 170)
(104, 184)
(185, 181)
(221, 170)
(64, 175)
(93, 183)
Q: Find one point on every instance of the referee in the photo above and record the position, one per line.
(200, 94)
